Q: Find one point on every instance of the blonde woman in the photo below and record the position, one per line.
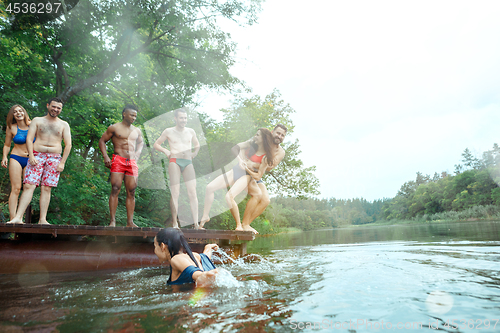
(18, 122)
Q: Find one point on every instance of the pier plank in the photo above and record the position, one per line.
(83, 230)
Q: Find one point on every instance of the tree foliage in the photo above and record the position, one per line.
(242, 120)
(155, 49)
(475, 183)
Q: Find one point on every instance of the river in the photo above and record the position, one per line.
(410, 277)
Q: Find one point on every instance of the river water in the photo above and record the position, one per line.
(410, 277)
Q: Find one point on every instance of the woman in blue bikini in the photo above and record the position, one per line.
(186, 266)
(17, 128)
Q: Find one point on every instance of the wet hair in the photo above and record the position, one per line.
(176, 112)
(281, 126)
(175, 241)
(10, 116)
(129, 107)
(267, 141)
(55, 99)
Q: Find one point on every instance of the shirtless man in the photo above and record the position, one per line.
(259, 196)
(45, 161)
(181, 140)
(127, 144)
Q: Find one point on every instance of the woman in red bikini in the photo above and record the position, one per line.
(257, 150)
(18, 122)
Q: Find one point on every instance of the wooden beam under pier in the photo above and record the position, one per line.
(63, 248)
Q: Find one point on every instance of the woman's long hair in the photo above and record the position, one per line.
(10, 116)
(267, 141)
(175, 241)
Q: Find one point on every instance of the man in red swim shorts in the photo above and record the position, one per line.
(45, 160)
(127, 142)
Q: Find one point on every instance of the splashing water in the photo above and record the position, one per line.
(225, 255)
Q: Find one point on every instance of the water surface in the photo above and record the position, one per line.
(418, 277)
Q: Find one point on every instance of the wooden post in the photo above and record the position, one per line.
(28, 214)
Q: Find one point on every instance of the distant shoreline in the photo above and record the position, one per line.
(408, 222)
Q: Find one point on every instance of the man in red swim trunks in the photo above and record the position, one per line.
(45, 160)
(127, 142)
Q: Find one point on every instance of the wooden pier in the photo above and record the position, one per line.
(26, 248)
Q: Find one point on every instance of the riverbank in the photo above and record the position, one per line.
(420, 221)
(379, 223)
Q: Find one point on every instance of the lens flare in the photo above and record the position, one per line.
(197, 296)
(31, 274)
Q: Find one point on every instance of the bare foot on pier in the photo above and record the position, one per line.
(203, 221)
(16, 221)
(249, 228)
(132, 225)
(112, 224)
(43, 222)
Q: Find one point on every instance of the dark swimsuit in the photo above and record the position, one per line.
(187, 274)
(20, 139)
(181, 162)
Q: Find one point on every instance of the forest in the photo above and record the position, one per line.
(472, 193)
(98, 56)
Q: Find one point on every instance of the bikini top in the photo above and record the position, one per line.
(20, 137)
(257, 158)
(187, 274)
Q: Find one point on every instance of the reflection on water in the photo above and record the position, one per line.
(482, 231)
(349, 279)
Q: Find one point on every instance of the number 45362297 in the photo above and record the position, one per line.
(33, 8)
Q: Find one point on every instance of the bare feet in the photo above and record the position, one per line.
(198, 227)
(203, 221)
(249, 228)
(112, 224)
(16, 221)
(132, 225)
(239, 228)
(43, 222)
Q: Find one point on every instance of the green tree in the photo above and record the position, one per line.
(168, 49)
(242, 120)
(101, 55)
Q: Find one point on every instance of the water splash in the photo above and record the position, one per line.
(225, 255)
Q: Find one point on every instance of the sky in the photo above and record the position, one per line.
(381, 89)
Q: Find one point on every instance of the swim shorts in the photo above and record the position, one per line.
(45, 170)
(124, 165)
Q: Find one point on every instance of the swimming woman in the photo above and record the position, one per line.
(17, 128)
(186, 266)
(257, 150)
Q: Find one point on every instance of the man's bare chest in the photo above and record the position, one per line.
(125, 134)
(179, 139)
(49, 130)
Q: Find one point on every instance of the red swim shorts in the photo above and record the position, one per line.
(124, 165)
(45, 170)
